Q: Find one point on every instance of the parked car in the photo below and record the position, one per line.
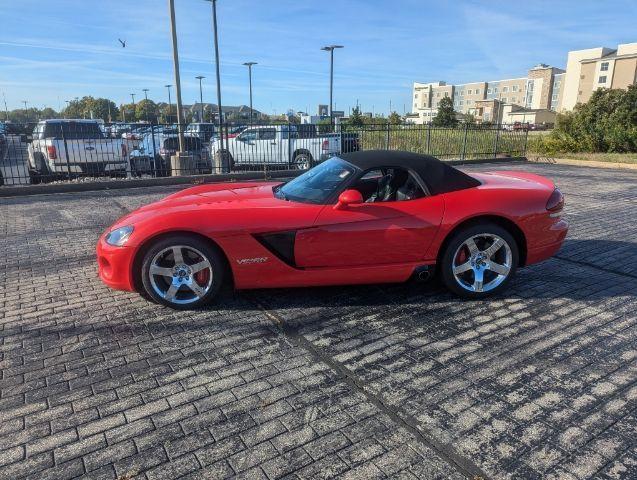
(204, 131)
(361, 218)
(282, 146)
(154, 153)
(74, 147)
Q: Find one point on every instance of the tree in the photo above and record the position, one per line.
(356, 119)
(395, 119)
(90, 107)
(146, 111)
(446, 116)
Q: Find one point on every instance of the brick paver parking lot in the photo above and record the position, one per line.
(358, 382)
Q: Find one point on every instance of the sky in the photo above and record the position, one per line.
(52, 51)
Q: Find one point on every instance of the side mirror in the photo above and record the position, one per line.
(348, 197)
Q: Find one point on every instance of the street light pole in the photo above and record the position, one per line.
(200, 78)
(173, 30)
(169, 103)
(330, 48)
(216, 40)
(6, 110)
(26, 110)
(249, 65)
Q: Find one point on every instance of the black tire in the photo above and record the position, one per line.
(483, 234)
(153, 287)
(302, 161)
(41, 172)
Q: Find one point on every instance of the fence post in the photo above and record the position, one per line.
(464, 141)
(387, 138)
(526, 141)
(290, 159)
(429, 139)
(497, 138)
(66, 151)
(154, 151)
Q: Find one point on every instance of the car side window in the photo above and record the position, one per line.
(389, 184)
(248, 135)
(267, 134)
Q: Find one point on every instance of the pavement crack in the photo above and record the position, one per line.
(398, 416)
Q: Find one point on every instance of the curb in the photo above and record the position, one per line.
(586, 163)
(26, 190)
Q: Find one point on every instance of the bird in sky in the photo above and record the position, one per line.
(123, 42)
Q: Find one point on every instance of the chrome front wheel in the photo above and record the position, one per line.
(182, 272)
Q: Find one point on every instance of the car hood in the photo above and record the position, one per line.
(219, 209)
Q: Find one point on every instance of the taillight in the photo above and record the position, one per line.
(124, 150)
(326, 145)
(53, 154)
(555, 202)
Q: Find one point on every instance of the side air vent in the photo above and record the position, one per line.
(281, 244)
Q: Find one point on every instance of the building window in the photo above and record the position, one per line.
(504, 99)
(461, 103)
(514, 99)
(416, 96)
(602, 79)
(415, 105)
(582, 77)
(505, 89)
(462, 93)
(469, 92)
(446, 94)
(554, 97)
(514, 88)
(495, 89)
(477, 91)
(604, 67)
(488, 90)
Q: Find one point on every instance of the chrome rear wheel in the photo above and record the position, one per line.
(479, 260)
(482, 262)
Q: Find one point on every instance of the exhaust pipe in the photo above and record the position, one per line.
(423, 273)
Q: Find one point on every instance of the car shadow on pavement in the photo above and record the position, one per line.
(590, 270)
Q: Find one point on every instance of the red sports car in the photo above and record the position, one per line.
(363, 217)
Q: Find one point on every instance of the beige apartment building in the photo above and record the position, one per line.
(536, 97)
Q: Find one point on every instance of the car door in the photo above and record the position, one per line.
(371, 234)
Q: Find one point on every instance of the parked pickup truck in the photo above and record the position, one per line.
(75, 147)
(282, 146)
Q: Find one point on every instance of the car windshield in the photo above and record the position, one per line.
(316, 185)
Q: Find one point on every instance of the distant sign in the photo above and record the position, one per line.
(323, 110)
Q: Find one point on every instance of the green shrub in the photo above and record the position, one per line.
(606, 123)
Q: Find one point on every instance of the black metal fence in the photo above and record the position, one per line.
(85, 150)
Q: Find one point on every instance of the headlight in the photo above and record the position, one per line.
(119, 237)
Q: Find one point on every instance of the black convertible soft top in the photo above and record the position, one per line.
(439, 176)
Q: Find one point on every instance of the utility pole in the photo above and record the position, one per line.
(216, 41)
(26, 110)
(173, 30)
(200, 78)
(330, 48)
(145, 90)
(169, 103)
(249, 65)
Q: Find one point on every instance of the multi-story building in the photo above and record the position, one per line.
(485, 100)
(588, 70)
(536, 97)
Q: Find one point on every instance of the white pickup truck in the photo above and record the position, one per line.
(75, 147)
(281, 146)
